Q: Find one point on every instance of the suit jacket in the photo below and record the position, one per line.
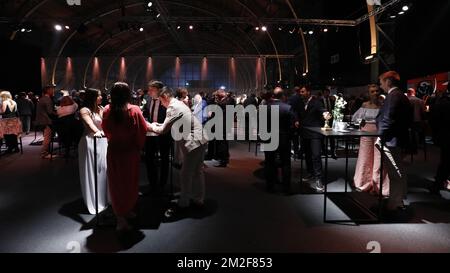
(45, 111)
(395, 119)
(332, 102)
(179, 112)
(311, 115)
(161, 111)
(286, 119)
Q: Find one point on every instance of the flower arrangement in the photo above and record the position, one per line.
(339, 107)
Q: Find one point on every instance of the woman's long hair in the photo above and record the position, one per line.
(90, 100)
(120, 97)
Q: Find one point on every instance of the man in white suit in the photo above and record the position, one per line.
(192, 145)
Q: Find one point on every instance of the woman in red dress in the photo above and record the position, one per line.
(125, 129)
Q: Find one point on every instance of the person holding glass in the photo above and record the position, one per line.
(367, 172)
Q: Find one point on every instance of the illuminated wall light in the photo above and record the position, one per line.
(58, 27)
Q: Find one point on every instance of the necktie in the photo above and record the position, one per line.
(152, 111)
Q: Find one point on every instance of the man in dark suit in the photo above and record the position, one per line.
(287, 121)
(394, 122)
(440, 118)
(222, 145)
(156, 144)
(296, 103)
(328, 102)
(311, 115)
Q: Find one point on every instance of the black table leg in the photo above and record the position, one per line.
(380, 197)
(325, 182)
(346, 164)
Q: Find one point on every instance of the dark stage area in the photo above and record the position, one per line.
(42, 211)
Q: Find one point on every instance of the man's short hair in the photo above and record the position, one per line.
(156, 84)
(392, 76)
(166, 92)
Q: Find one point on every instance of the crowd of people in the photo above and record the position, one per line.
(112, 132)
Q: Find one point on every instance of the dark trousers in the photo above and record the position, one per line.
(443, 171)
(313, 155)
(154, 146)
(271, 164)
(222, 151)
(296, 144)
(211, 149)
(26, 123)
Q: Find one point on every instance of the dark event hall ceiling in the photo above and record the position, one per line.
(108, 27)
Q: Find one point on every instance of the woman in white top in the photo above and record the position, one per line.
(91, 116)
(367, 172)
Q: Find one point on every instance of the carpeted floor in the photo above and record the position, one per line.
(42, 211)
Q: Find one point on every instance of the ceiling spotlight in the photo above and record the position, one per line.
(67, 27)
(304, 74)
(264, 28)
(158, 15)
(405, 8)
(256, 28)
(178, 27)
(310, 32)
(223, 87)
(280, 28)
(370, 57)
(23, 30)
(325, 30)
(393, 16)
(191, 27)
(401, 13)
(58, 27)
(150, 4)
(141, 29)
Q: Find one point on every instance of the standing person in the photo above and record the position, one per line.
(296, 102)
(193, 147)
(199, 109)
(45, 113)
(91, 116)
(125, 129)
(394, 121)
(367, 172)
(440, 118)
(222, 145)
(157, 175)
(328, 103)
(286, 123)
(25, 107)
(312, 113)
(8, 109)
(419, 110)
